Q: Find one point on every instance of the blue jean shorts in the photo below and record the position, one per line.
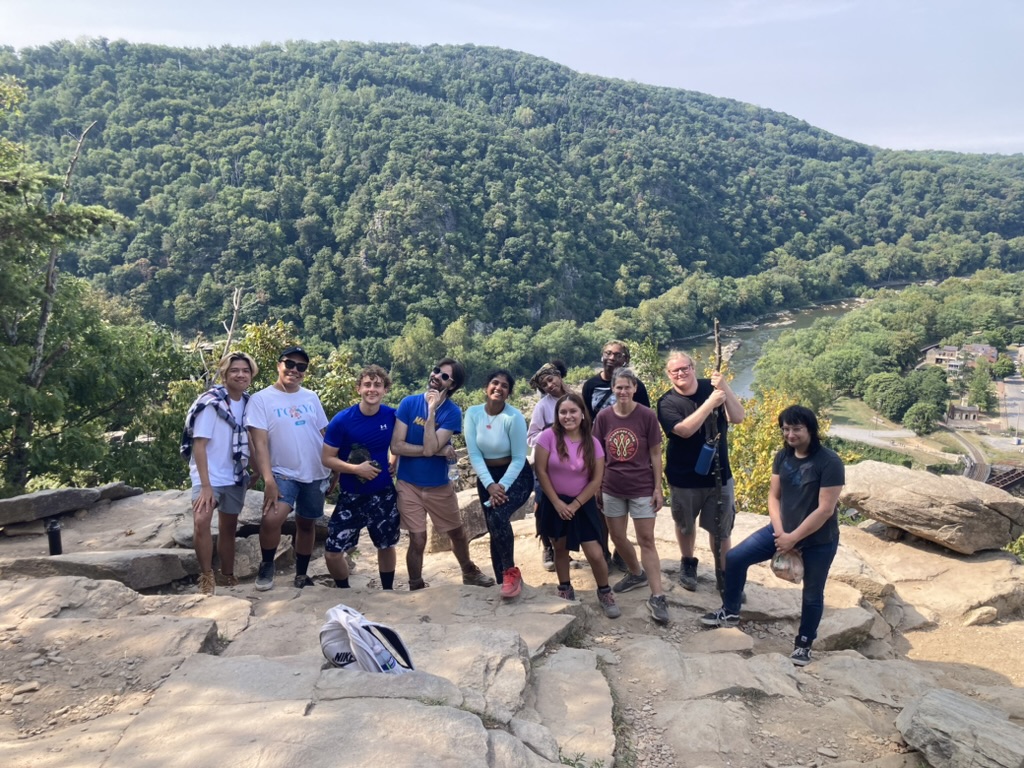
(307, 499)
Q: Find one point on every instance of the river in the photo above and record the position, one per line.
(741, 364)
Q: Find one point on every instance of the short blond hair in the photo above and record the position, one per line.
(228, 359)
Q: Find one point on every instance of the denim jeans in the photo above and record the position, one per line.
(760, 546)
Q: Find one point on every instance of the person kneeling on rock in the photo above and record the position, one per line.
(807, 479)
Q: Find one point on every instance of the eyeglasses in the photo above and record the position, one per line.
(613, 355)
(680, 370)
(794, 429)
(291, 364)
(444, 376)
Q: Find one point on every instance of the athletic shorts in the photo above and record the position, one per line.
(307, 499)
(415, 502)
(688, 503)
(228, 498)
(641, 508)
(376, 512)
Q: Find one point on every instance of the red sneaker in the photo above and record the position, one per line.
(512, 583)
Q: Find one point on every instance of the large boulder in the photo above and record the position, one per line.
(473, 522)
(950, 729)
(34, 506)
(960, 514)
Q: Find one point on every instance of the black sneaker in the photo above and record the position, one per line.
(302, 580)
(629, 581)
(800, 656)
(549, 559)
(720, 618)
(265, 577)
(688, 574)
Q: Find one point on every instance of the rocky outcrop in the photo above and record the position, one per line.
(960, 514)
(950, 730)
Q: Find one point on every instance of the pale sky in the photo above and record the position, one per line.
(902, 74)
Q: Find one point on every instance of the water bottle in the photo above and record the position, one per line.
(385, 659)
(453, 470)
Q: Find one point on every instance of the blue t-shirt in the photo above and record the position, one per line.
(425, 471)
(360, 438)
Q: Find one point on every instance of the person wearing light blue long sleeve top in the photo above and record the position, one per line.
(496, 440)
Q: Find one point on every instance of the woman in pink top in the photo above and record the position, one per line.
(569, 462)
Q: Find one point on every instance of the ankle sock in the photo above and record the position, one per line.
(301, 564)
(387, 579)
(268, 554)
(342, 583)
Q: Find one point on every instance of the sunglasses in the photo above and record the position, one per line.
(444, 376)
(300, 367)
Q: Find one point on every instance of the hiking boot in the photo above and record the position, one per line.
(658, 606)
(800, 656)
(206, 583)
(476, 578)
(607, 601)
(415, 584)
(227, 580)
(302, 580)
(265, 577)
(688, 574)
(512, 583)
(720, 619)
(548, 559)
(567, 593)
(629, 581)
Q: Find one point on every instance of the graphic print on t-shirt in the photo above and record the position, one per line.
(622, 444)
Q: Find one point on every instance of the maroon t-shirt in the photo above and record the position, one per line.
(628, 442)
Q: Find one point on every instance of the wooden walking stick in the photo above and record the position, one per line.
(719, 570)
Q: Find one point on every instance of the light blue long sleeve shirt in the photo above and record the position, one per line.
(496, 437)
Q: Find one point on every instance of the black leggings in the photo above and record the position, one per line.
(499, 519)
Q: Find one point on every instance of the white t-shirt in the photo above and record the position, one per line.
(219, 464)
(294, 423)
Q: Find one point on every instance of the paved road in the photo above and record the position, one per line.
(976, 469)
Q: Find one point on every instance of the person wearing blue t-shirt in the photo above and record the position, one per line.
(424, 425)
(366, 497)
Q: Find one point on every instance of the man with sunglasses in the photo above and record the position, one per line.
(694, 413)
(424, 426)
(287, 425)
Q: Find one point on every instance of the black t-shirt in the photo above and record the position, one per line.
(598, 395)
(800, 481)
(683, 451)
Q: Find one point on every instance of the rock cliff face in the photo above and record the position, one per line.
(109, 658)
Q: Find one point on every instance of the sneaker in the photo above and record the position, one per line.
(302, 580)
(265, 577)
(415, 584)
(477, 578)
(720, 619)
(512, 583)
(549, 559)
(607, 601)
(618, 562)
(206, 583)
(629, 581)
(227, 580)
(800, 656)
(567, 593)
(658, 606)
(688, 574)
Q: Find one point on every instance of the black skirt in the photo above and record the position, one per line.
(584, 526)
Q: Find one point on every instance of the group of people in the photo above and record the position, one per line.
(597, 463)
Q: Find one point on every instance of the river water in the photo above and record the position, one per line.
(742, 362)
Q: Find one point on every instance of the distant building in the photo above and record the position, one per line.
(963, 412)
(976, 352)
(953, 359)
(944, 357)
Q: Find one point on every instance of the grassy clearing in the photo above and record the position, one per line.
(850, 412)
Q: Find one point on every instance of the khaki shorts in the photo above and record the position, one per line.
(416, 502)
(641, 508)
(688, 503)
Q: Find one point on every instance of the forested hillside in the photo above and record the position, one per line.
(393, 199)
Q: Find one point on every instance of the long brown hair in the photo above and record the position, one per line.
(586, 438)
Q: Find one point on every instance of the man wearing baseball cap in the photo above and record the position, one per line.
(286, 426)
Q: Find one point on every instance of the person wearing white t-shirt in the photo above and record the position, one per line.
(218, 463)
(287, 424)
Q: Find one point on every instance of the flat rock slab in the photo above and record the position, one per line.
(138, 569)
(961, 514)
(730, 640)
(949, 729)
(939, 584)
(85, 667)
(575, 703)
(35, 506)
